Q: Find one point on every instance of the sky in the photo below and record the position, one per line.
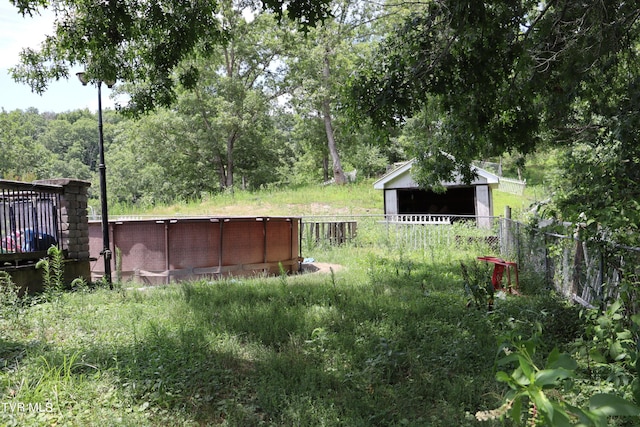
(16, 33)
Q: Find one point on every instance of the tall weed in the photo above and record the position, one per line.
(10, 302)
(52, 273)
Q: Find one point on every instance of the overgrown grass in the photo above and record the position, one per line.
(387, 340)
(353, 199)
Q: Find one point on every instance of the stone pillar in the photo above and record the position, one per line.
(73, 216)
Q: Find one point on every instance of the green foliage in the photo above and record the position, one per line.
(145, 166)
(473, 55)
(21, 153)
(610, 346)
(534, 398)
(52, 273)
(367, 159)
(596, 187)
(476, 279)
(10, 302)
(461, 81)
(473, 80)
(228, 127)
(135, 42)
(319, 65)
(614, 336)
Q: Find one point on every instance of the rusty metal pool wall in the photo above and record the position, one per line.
(163, 250)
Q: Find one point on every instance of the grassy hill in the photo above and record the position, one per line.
(354, 199)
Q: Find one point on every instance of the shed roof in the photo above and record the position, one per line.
(400, 177)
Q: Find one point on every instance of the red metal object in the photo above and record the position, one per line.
(498, 271)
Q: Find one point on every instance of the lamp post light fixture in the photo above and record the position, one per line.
(106, 251)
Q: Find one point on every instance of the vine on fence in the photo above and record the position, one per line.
(594, 272)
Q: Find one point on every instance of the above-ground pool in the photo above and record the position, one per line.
(163, 250)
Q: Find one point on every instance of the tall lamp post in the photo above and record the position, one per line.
(106, 251)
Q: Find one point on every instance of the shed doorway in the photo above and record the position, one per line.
(455, 201)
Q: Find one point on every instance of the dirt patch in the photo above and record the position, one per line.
(320, 267)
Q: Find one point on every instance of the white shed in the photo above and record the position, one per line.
(403, 196)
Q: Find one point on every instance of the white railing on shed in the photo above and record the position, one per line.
(420, 219)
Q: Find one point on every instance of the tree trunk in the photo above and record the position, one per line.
(338, 173)
(230, 143)
(325, 168)
(222, 176)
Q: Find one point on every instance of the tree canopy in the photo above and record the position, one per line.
(501, 74)
(139, 42)
(476, 79)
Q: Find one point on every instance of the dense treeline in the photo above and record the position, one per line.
(156, 159)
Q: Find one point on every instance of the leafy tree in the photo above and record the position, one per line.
(326, 56)
(73, 147)
(488, 77)
(228, 109)
(289, 151)
(495, 71)
(598, 182)
(311, 153)
(137, 42)
(150, 163)
(598, 187)
(22, 156)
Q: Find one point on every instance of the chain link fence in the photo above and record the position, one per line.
(591, 273)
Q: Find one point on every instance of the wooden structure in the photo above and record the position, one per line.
(334, 232)
(404, 198)
(163, 250)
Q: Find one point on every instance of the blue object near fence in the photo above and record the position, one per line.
(34, 241)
